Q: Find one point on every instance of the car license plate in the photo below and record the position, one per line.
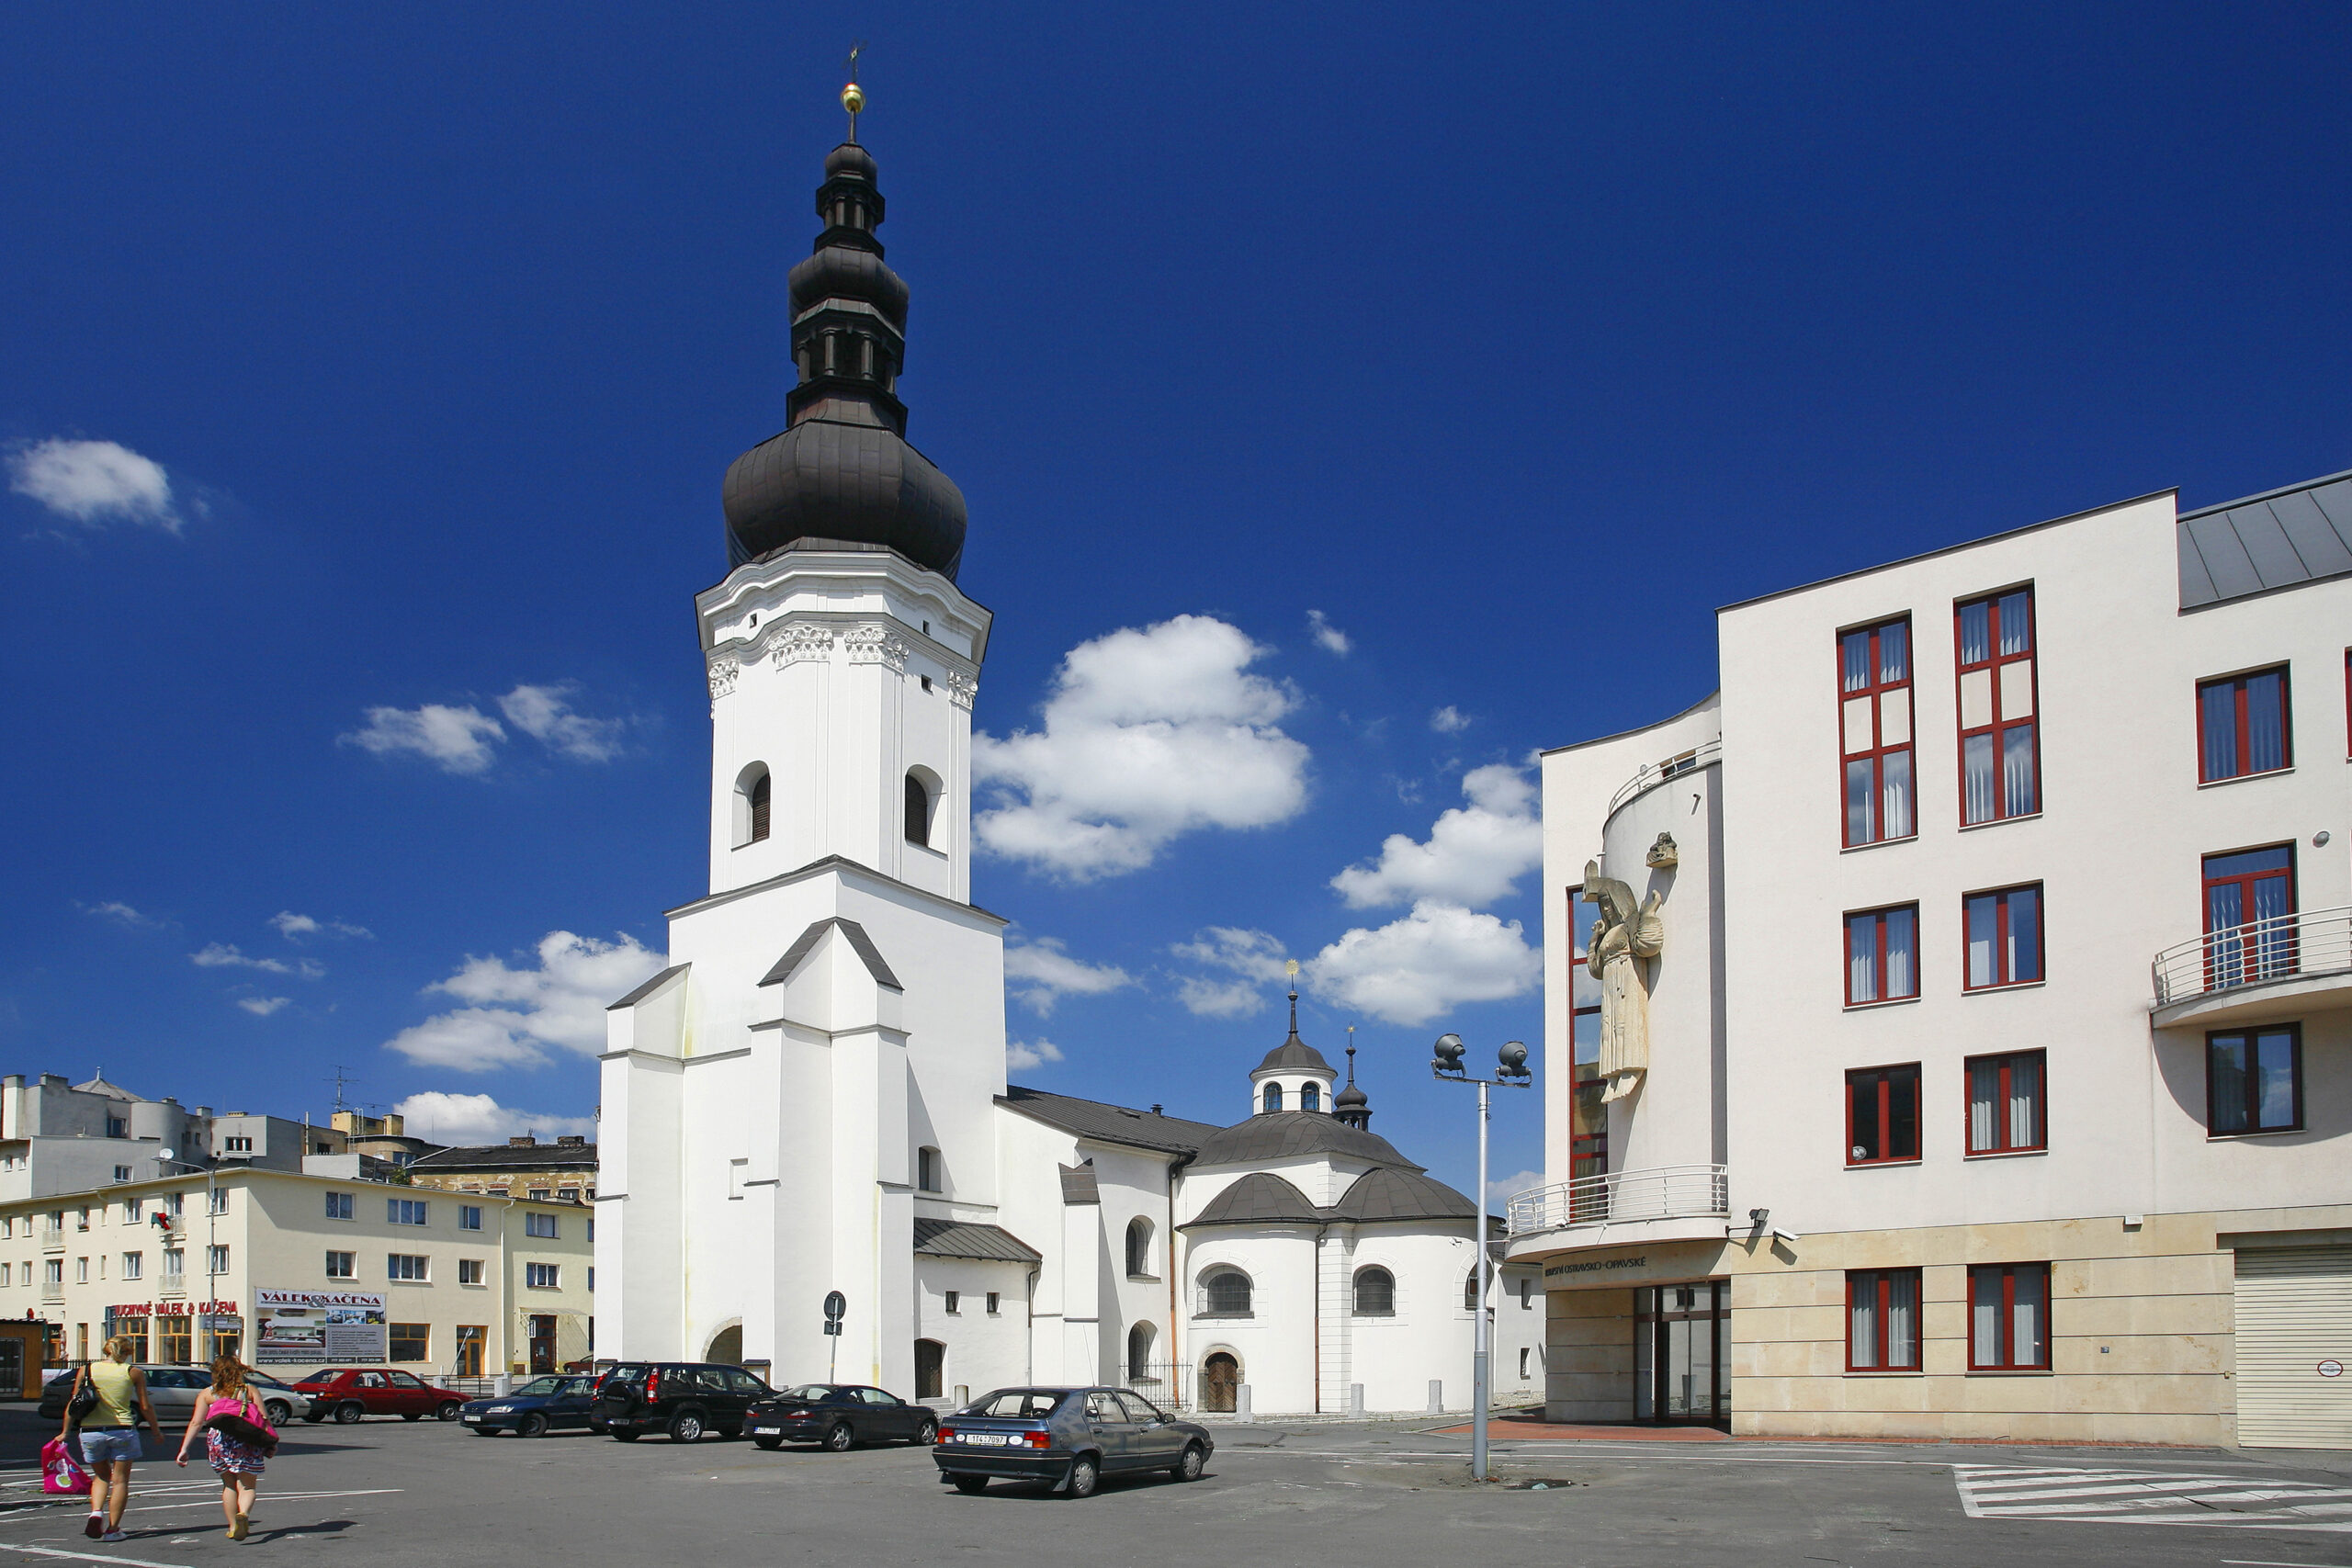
(474, 1418)
(984, 1439)
(767, 1431)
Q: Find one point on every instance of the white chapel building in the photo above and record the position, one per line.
(811, 1097)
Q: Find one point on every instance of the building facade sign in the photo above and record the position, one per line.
(314, 1327)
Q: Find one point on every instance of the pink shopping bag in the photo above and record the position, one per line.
(61, 1471)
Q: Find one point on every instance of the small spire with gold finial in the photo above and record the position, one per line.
(853, 95)
(1290, 967)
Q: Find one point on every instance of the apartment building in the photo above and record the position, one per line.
(297, 1271)
(1949, 1021)
(523, 1167)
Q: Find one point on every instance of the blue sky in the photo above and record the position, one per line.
(1447, 365)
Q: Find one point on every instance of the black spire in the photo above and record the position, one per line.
(1351, 1105)
(841, 469)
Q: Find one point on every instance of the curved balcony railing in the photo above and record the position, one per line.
(2315, 942)
(1665, 1192)
(1652, 774)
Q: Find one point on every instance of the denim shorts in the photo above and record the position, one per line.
(104, 1445)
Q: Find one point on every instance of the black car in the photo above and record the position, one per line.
(537, 1409)
(837, 1415)
(1070, 1438)
(681, 1399)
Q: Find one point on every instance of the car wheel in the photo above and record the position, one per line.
(621, 1435)
(446, 1411)
(348, 1412)
(278, 1412)
(967, 1485)
(686, 1426)
(1190, 1467)
(412, 1415)
(1083, 1474)
(838, 1437)
(533, 1425)
(769, 1442)
(926, 1434)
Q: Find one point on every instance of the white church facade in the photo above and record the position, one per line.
(811, 1097)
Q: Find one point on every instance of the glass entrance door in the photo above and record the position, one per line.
(1681, 1352)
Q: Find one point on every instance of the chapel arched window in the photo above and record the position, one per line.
(1375, 1293)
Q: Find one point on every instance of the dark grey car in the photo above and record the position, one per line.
(1069, 1438)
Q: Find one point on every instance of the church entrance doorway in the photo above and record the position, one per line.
(931, 1368)
(1682, 1353)
(1220, 1377)
(727, 1346)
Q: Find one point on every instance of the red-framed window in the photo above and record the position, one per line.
(2007, 1111)
(1874, 727)
(1883, 1114)
(2243, 726)
(1882, 955)
(2253, 1080)
(1883, 1320)
(2008, 1317)
(2000, 743)
(2002, 930)
(2250, 916)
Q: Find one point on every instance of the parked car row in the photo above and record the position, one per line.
(173, 1392)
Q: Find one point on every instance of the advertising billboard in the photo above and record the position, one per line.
(316, 1328)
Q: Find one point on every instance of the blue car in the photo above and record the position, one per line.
(537, 1409)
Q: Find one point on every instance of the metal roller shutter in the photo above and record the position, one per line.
(2294, 1317)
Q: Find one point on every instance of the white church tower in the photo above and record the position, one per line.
(828, 1041)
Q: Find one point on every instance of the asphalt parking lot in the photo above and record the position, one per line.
(386, 1492)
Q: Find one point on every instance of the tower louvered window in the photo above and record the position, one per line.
(760, 790)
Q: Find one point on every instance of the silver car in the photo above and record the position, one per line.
(174, 1391)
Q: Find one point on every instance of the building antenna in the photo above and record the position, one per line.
(341, 1080)
(853, 95)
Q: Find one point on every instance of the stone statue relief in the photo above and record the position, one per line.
(1625, 932)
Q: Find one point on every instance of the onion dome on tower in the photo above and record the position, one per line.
(1351, 1105)
(842, 470)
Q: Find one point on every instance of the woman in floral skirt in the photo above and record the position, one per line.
(238, 1463)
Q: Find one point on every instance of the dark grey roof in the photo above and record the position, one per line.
(860, 943)
(1280, 1135)
(649, 986)
(959, 1238)
(1078, 1184)
(1111, 1124)
(1295, 1056)
(1389, 1193)
(500, 1156)
(2300, 533)
(1259, 1197)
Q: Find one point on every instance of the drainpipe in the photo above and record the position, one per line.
(1029, 1349)
(1175, 1345)
(1320, 1232)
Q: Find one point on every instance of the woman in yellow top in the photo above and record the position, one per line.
(109, 1435)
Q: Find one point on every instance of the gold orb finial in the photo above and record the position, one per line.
(854, 97)
(1290, 968)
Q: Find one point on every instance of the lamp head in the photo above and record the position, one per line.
(166, 1154)
(1448, 1054)
(1513, 1057)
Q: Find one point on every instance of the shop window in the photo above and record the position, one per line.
(410, 1342)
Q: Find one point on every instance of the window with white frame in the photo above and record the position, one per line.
(340, 1205)
(542, 1276)
(470, 1270)
(469, 1216)
(409, 1266)
(343, 1266)
(541, 1226)
(404, 1210)
(134, 1265)
(216, 1259)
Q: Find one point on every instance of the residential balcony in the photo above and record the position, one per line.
(2267, 971)
(1649, 776)
(51, 1295)
(1673, 1203)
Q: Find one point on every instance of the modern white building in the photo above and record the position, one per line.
(811, 1097)
(1992, 1072)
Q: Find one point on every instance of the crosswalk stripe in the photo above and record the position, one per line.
(2149, 1497)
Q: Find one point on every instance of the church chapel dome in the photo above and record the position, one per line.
(842, 470)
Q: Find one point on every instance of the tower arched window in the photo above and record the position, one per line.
(1310, 1096)
(1226, 1294)
(1273, 1099)
(1470, 1292)
(1140, 1342)
(1140, 1248)
(751, 816)
(921, 797)
(927, 1173)
(1375, 1292)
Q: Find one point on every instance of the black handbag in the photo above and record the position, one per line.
(229, 1424)
(84, 1400)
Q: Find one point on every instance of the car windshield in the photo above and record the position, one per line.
(812, 1393)
(260, 1380)
(1030, 1403)
(548, 1385)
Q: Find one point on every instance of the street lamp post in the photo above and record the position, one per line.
(1511, 1072)
(212, 1183)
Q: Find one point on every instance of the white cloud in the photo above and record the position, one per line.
(515, 1012)
(1021, 1056)
(545, 715)
(1502, 1189)
(294, 927)
(93, 482)
(121, 914)
(227, 955)
(459, 738)
(1473, 855)
(1042, 973)
(262, 1007)
(1148, 734)
(1252, 957)
(477, 1119)
(1331, 639)
(1412, 969)
(1449, 720)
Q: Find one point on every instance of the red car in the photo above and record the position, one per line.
(348, 1392)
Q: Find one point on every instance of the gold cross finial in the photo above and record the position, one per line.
(853, 95)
